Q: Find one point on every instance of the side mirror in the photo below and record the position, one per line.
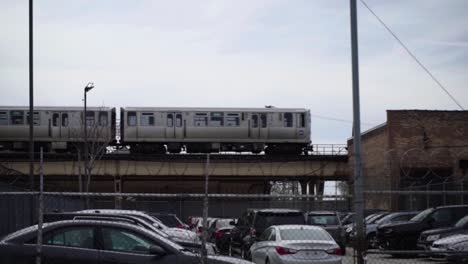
(233, 223)
(157, 250)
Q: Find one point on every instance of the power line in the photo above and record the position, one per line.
(339, 119)
(412, 55)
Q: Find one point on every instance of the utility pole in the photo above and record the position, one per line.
(31, 99)
(204, 253)
(358, 177)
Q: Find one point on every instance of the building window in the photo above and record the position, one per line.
(254, 120)
(16, 117)
(147, 119)
(217, 119)
(178, 118)
(263, 119)
(200, 119)
(36, 118)
(90, 118)
(170, 120)
(3, 118)
(64, 119)
(288, 120)
(131, 119)
(232, 120)
(103, 118)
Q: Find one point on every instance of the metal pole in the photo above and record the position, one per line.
(31, 99)
(358, 176)
(41, 212)
(204, 253)
(85, 141)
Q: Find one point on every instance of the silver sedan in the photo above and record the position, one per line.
(295, 244)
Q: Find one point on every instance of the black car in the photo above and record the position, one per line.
(331, 222)
(191, 244)
(254, 221)
(93, 242)
(428, 237)
(404, 235)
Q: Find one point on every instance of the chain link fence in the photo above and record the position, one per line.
(136, 227)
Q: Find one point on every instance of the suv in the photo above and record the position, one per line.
(331, 222)
(252, 224)
(404, 235)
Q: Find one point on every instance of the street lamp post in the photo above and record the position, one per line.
(88, 88)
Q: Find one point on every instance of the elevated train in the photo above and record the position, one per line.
(161, 129)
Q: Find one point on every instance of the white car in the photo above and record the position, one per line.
(451, 248)
(295, 244)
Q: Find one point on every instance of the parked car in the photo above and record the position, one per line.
(371, 226)
(295, 244)
(220, 233)
(428, 237)
(95, 242)
(370, 219)
(451, 248)
(188, 243)
(330, 221)
(175, 232)
(404, 235)
(170, 220)
(193, 221)
(254, 221)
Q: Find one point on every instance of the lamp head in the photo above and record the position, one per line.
(88, 87)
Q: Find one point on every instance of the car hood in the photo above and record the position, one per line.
(228, 259)
(402, 226)
(451, 240)
(182, 234)
(440, 231)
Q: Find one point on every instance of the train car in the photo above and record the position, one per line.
(203, 130)
(55, 128)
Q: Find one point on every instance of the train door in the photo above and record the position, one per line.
(59, 124)
(300, 125)
(263, 126)
(254, 126)
(174, 126)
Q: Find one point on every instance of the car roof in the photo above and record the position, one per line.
(280, 227)
(274, 210)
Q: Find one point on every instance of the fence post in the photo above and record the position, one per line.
(41, 212)
(204, 253)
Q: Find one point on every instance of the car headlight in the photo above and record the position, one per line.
(349, 229)
(388, 231)
(433, 237)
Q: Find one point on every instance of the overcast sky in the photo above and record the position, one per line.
(237, 53)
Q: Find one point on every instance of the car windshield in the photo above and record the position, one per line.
(371, 218)
(267, 219)
(462, 222)
(325, 220)
(385, 219)
(168, 220)
(301, 233)
(419, 217)
(221, 223)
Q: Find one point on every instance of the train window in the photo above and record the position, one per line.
(170, 120)
(131, 119)
(254, 120)
(64, 119)
(263, 119)
(232, 120)
(301, 120)
(3, 118)
(103, 118)
(288, 120)
(147, 119)
(36, 118)
(16, 117)
(90, 118)
(178, 120)
(217, 119)
(55, 119)
(201, 119)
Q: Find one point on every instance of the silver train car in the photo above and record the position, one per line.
(202, 130)
(55, 128)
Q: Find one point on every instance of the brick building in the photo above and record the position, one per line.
(415, 150)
